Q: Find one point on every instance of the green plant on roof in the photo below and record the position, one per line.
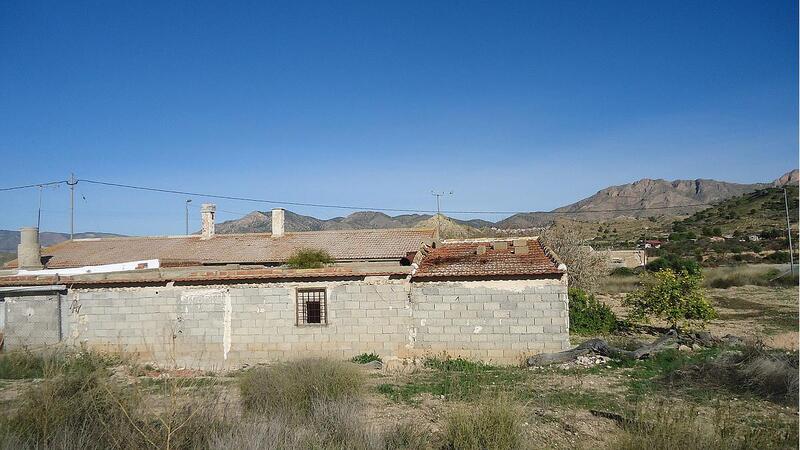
(309, 258)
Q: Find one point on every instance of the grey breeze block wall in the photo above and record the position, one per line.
(226, 326)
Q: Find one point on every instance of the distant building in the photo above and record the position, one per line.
(652, 244)
(753, 238)
(627, 258)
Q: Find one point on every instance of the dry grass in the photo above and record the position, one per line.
(671, 427)
(292, 388)
(492, 424)
(752, 368)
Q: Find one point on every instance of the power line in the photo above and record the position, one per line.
(28, 186)
(343, 207)
(366, 208)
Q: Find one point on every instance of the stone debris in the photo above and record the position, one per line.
(586, 361)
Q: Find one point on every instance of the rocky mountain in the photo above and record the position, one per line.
(9, 239)
(643, 198)
(792, 177)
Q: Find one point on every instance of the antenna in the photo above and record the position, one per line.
(438, 196)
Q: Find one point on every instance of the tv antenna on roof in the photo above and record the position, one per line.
(438, 196)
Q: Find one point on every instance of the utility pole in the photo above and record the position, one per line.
(39, 214)
(438, 196)
(187, 215)
(72, 182)
(788, 230)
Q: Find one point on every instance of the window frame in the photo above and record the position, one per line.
(300, 304)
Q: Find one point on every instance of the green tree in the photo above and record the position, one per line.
(677, 298)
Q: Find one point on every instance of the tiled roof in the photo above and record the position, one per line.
(203, 276)
(251, 248)
(463, 260)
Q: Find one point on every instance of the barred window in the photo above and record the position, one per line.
(311, 306)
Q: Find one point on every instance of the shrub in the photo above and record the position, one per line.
(292, 388)
(674, 263)
(587, 315)
(623, 272)
(22, 364)
(493, 424)
(365, 358)
(309, 258)
(779, 257)
(674, 297)
(78, 406)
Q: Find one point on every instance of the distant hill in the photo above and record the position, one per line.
(9, 239)
(261, 222)
(750, 213)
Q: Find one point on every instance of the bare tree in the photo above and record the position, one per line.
(585, 266)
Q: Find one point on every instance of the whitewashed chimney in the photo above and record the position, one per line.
(277, 222)
(207, 212)
(29, 253)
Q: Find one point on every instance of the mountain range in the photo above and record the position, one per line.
(642, 198)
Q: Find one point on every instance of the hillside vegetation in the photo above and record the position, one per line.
(750, 227)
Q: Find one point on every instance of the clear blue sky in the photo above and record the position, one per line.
(512, 105)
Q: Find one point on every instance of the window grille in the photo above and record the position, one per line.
(311, 306)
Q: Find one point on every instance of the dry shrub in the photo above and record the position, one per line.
(493, 424)
(670, 427)
(79, 405)
(292, 388)
(752, 368)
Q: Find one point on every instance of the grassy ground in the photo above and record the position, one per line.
(752, 307)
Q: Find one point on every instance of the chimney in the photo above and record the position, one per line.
(207, 212)
(277, 222)
(29, 254)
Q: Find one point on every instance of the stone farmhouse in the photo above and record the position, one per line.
(221, 301)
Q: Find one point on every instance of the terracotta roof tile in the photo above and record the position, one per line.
(462, 260)
(251, 248)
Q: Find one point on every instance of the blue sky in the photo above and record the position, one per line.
(511, 105)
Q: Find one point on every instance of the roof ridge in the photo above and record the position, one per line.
(186, 236)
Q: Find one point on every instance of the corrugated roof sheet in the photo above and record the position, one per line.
(251, 248)
(462, 260)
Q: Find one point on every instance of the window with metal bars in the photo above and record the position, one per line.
(311, 307)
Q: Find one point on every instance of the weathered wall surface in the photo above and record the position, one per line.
(31, 321)
(500, 321)
(226, 326)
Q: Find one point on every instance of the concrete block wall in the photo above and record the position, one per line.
(226, 326)
(499, 321)
(31, 321)
(214, 327)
